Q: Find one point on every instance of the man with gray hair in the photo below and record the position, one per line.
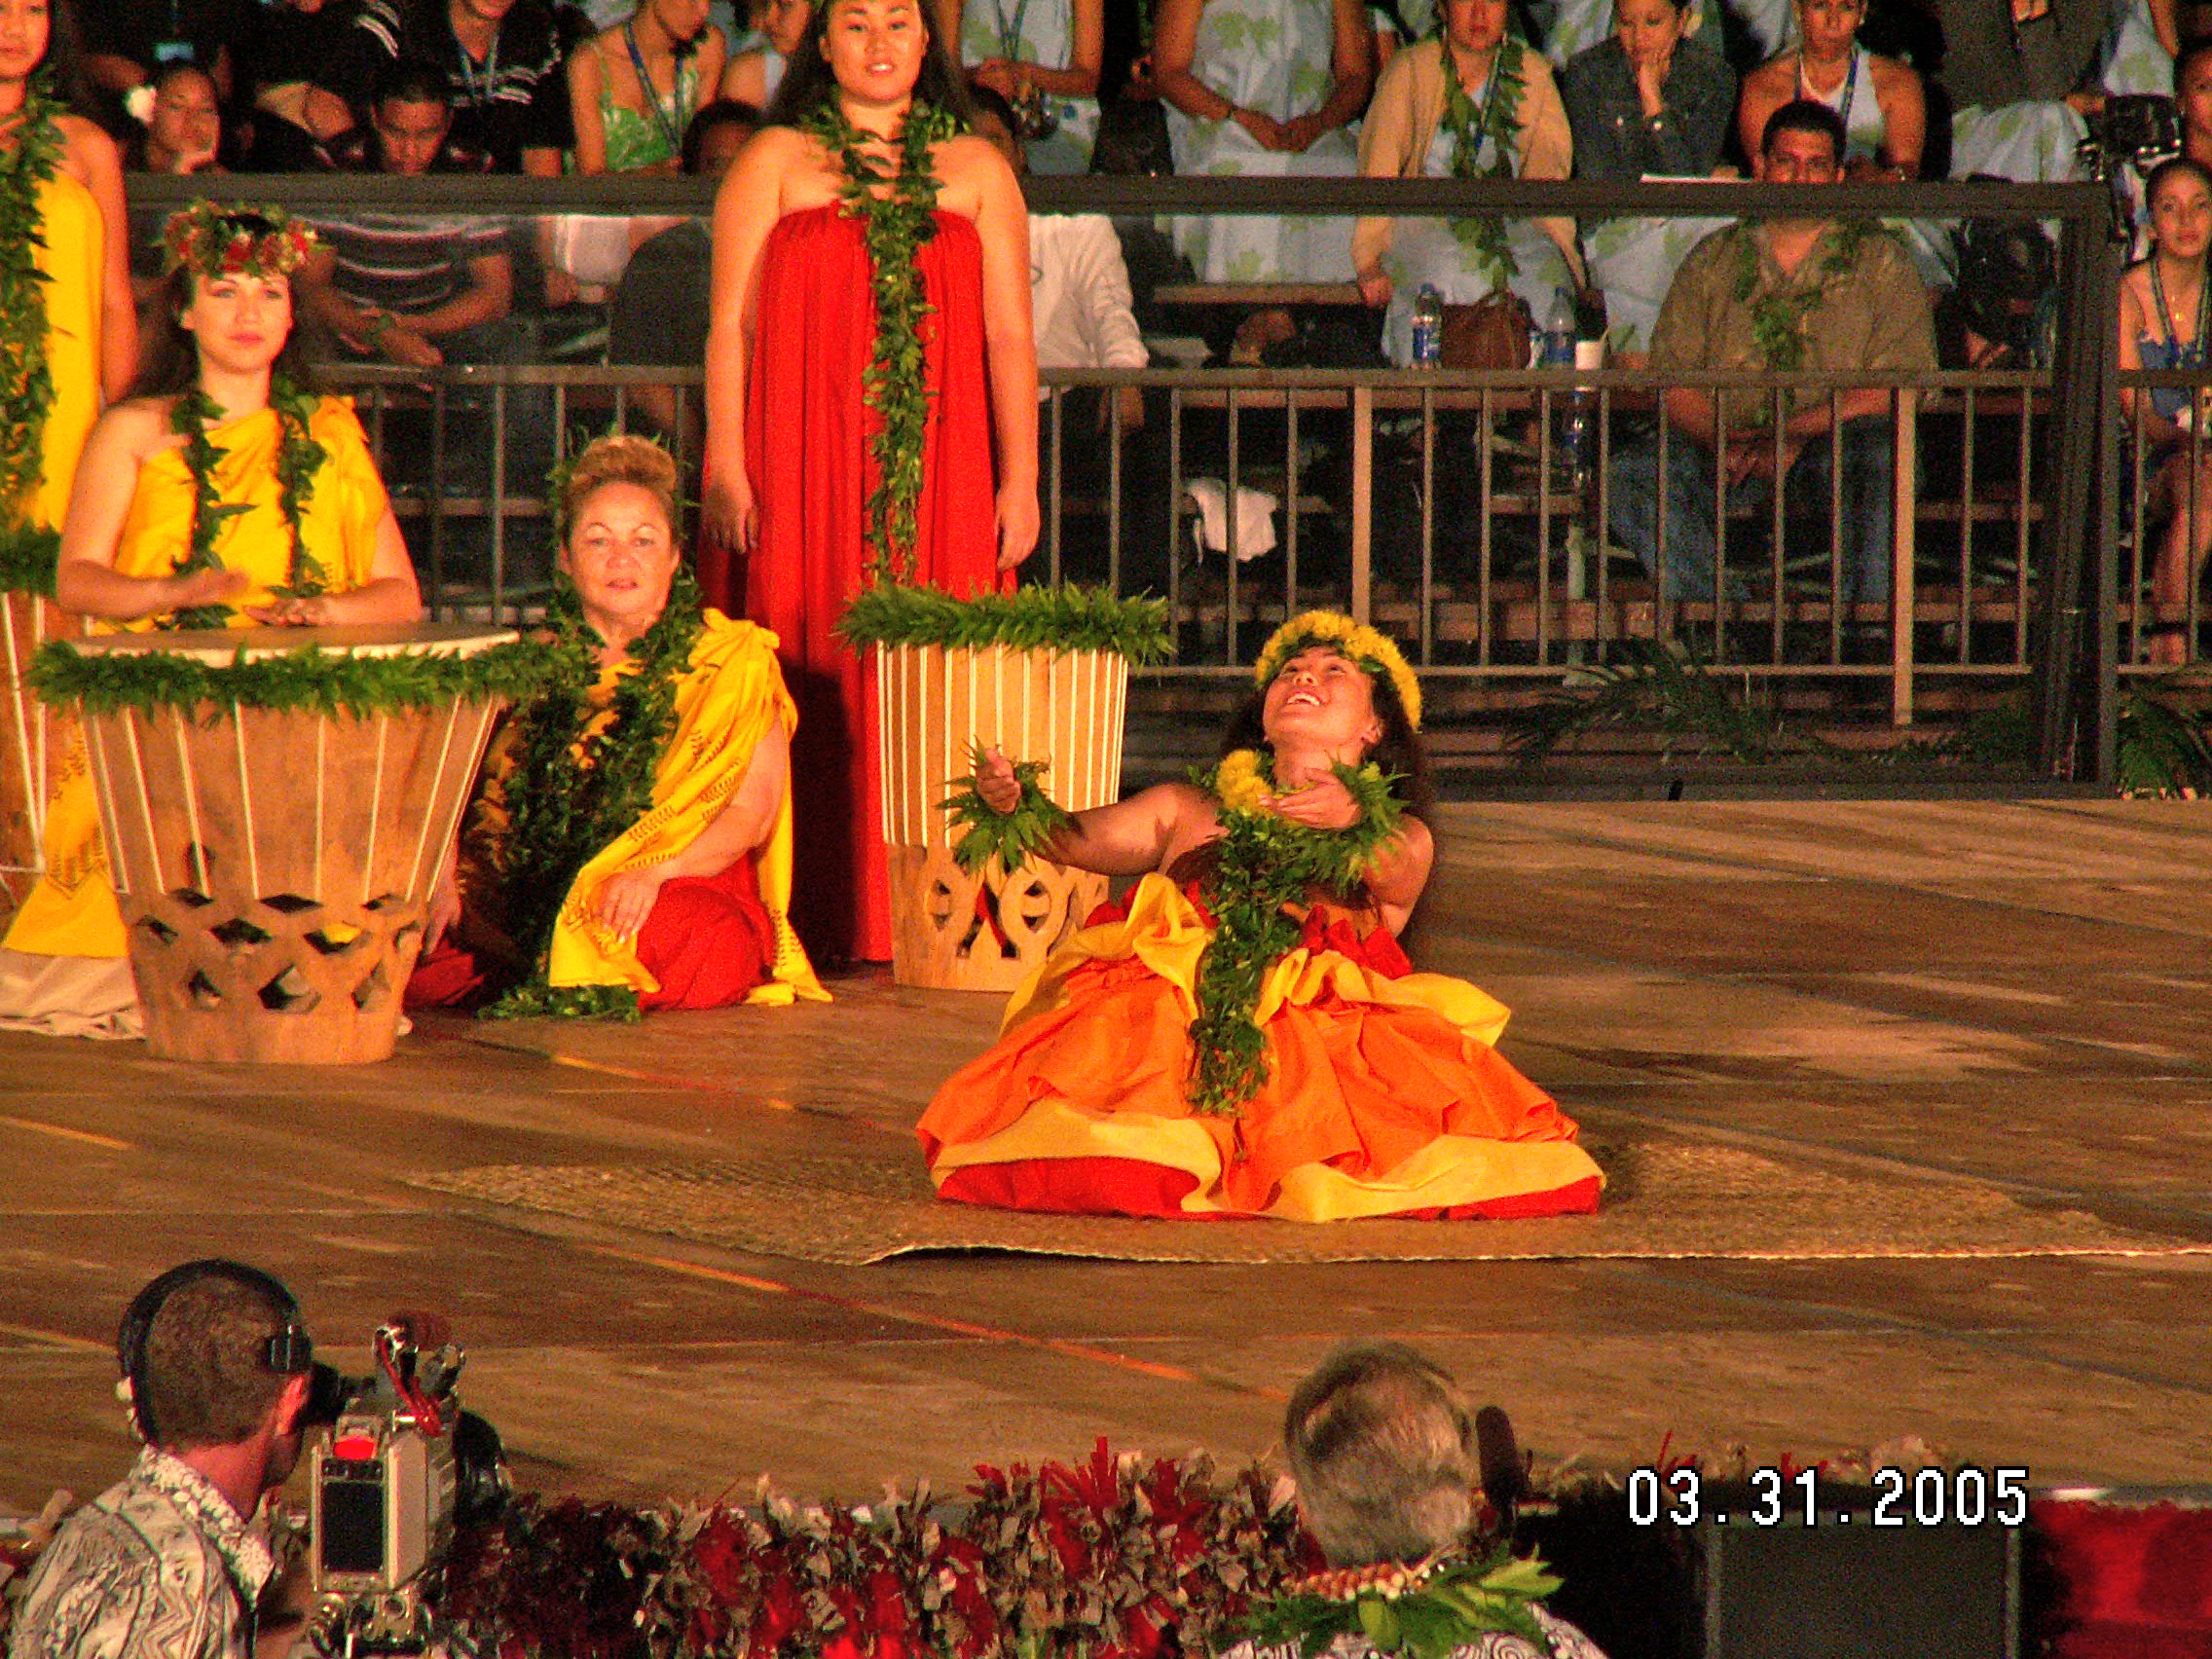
(1382, 1443)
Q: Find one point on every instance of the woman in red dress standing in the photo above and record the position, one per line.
(828, 454)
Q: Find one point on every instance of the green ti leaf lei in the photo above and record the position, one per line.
(897, 212)
(569, 796)
(27, 550)
(1427, 1610)
(1778, 316)
(1012, 837)
(297, 460)
(1484, 235)
(1267, 864)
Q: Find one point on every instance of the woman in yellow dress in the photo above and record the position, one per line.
(224, 493)
(66, 172)
(1245, 1036)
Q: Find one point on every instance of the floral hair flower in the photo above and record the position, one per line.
(138, 103)
(1331, 630)
(213, 239)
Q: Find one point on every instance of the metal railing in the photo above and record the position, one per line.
(2005, 516)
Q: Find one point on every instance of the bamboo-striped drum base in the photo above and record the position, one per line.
(274, 869)
(32, 740)
(956, 932)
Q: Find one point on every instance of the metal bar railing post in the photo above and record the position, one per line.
(1965, 530)
(1290, 493)
(1056, 497)
(1235, 530)
(1427, 525)
(1905, 522)
(1362, 502)
(1115, 437)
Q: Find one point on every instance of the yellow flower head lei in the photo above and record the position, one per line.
(1373, 650)
(214, 238)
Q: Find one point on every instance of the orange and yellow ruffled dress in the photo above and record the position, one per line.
(1385, 1095)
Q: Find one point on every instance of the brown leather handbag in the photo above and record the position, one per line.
(1493, 333)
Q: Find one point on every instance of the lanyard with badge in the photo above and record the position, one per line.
(667, 117)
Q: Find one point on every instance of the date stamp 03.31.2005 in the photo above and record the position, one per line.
(1963, 1497)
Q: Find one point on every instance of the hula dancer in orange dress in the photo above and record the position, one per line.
(1243, 1036)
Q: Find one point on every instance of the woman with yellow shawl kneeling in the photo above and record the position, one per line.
(224, 493)
(1245, 1036)
(631, 846)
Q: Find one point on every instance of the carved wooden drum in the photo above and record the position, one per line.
(988, 932)
(276, 820)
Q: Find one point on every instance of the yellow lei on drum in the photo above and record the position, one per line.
(71, 911)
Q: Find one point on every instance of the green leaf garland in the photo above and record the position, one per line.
(306, 680)
(1484, 235)
(1427, 1610)
(1778, 316)
(28, 551)
(1267, 863)
(1061, 619)
(297, 459)
(570, 795)
(896, 214)
(1012, 837)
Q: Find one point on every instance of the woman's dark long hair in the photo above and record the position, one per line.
(809, 83)
(1399, 753)
(169, 362)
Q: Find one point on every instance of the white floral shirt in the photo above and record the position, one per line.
(1561, 1642)
(157, 1567)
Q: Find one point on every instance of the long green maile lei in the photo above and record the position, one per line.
(299, 457)
(568, 797)
(1778, 316)
(1424, 1612)
(897, 212)
(1267, 864)
(1484, 235)
(27, 550)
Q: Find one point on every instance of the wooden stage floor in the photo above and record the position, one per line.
(2016, 992)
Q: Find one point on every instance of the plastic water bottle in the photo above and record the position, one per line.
(1555, 346)
(1429, 327)
(1578, 420)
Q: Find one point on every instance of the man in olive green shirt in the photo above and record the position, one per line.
(1809, 294)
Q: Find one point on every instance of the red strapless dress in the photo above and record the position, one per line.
(807, 455)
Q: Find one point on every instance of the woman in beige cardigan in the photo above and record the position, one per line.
(1441, 110)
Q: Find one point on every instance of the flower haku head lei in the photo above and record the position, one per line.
(212, 240)
(1355, 642)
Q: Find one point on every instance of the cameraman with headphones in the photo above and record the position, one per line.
(167, 1564)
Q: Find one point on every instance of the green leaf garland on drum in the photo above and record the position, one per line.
(897, 212)
(582, 775)
(28, 551)
(1056, 618)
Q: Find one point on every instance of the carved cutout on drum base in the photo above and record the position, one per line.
(987, 933)
(321, 972)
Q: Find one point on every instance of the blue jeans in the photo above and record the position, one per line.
(1685, 564)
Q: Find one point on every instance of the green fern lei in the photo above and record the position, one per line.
(1778, 316)
(1265, 865)
(896, 220)
(1012, 837)
(26, 551)
(1484, 235)
(563, 807)
(297, 460)
(1453, 1603)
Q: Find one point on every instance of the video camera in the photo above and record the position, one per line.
(2138, 129)
(396, 1466)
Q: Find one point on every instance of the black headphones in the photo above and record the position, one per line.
(287, 1353)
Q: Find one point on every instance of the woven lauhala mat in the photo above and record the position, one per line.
(1665, 1199)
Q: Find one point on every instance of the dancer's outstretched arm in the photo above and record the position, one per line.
(1145, 832)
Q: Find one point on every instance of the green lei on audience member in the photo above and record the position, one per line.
(1484, 235)
(27, 550)
(1778, 316)
(897, 212)
(570, 795)
(299, 457)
